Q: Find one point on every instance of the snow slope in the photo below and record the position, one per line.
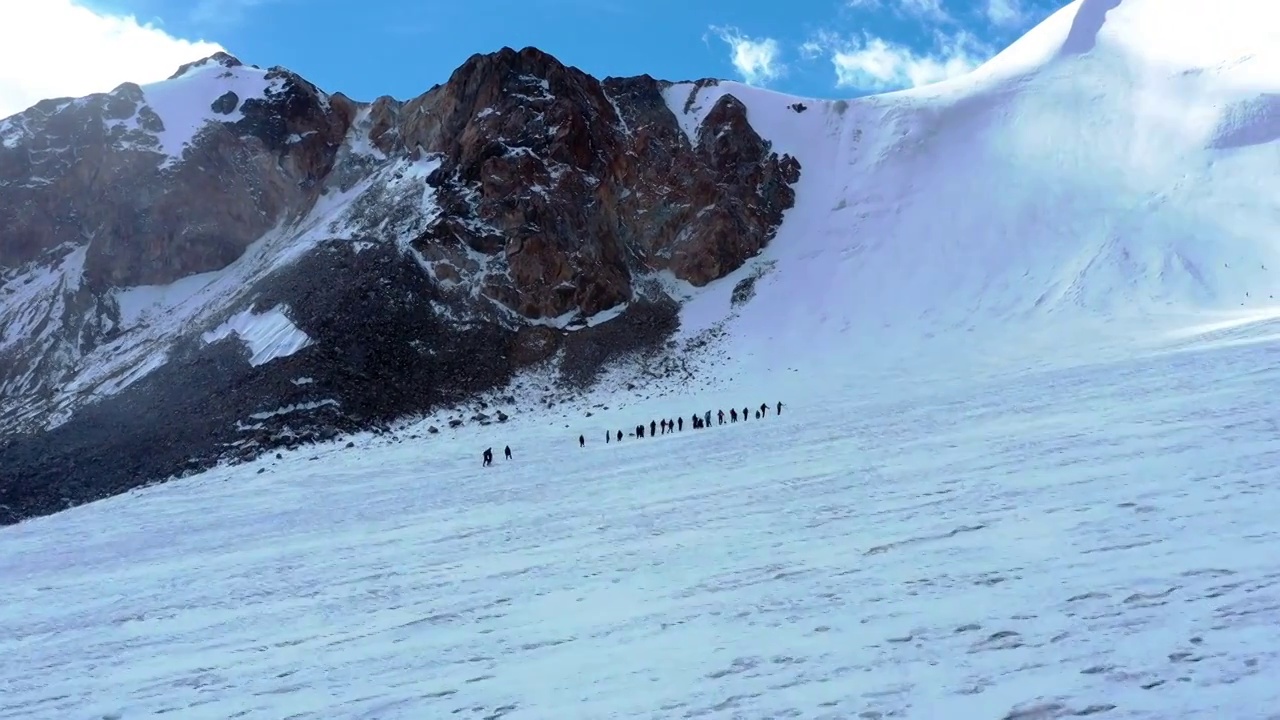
(1070, 540)
(1024, 325)
(1111, 173)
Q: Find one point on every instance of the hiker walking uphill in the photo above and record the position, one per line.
(680, 424)
(764, 410)
(653, 428)
(779, 407)
(733, 415)
(720, 416)
(488, 458)
(582, 441)
(507, 450)
(619, 436)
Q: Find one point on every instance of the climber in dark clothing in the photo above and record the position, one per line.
(663, 425)
(733, 415)
(744, 414)
(639, 431)
(720, 416)
(764, 410)
(779, 407)
(582, 442)
(507, 450)
(680, 424)
(653, 428)
(706, 419)
(488, 457)
(619, 436)
(607, 435)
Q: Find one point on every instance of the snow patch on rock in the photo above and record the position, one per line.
(268, 336)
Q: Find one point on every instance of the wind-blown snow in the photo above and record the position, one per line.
(268, 335)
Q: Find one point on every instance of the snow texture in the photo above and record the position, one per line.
(1080, 537)
(268, 335)
(1024, 325)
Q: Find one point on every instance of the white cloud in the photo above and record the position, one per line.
(756, 60)
(926, 9)
(875, 64)
(920, 9)
(57, 48)
(1006, 13)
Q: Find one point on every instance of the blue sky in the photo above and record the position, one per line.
(820, 48)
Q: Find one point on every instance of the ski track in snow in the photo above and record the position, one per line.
(1093, 540)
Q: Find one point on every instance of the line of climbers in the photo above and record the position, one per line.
(696, 422)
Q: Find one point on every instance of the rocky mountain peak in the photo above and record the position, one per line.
(219, 58)
(401, 254)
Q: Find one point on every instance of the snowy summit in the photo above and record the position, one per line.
(999, 353)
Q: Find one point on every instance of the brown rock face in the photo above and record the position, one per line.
(581, 184)
(574, 185)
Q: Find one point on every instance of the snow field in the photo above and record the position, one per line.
(1082, 537)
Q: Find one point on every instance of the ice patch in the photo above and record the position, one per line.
(269, 336)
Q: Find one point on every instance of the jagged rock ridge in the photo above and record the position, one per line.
(196, 227)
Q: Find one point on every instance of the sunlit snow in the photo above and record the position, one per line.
(1024, 326)
(184, 103)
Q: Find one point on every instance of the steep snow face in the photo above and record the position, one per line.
(1113, 171)
(185, 103)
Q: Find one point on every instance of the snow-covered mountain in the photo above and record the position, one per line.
(1110, 175)
(234, 260)
(1022, 325)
